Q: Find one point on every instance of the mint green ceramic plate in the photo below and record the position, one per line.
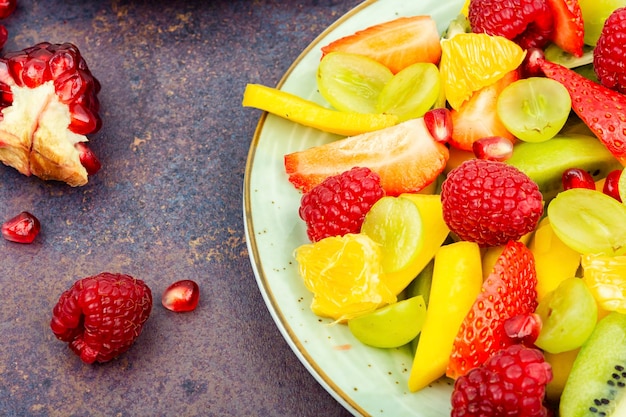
(367, 381)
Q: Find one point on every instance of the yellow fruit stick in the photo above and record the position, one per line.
(456, 282)
(308, 113)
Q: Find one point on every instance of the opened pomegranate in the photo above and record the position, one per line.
(48, 102)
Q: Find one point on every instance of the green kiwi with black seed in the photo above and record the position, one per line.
(596, 386)
(545, 162)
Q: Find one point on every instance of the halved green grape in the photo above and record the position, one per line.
(391, 326)
(621, 186)
(568, 314)
(411, 92)
(351, 82)
(589, 221)
(534, 109)
(595, 12)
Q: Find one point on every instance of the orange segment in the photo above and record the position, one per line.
(344, 273)
(471, 61)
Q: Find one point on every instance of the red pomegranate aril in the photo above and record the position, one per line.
(493, 148)
(35, 73)
(4, 36)
(7, 7)
(22, 228)
(523, 328)
(577, 178)
(611, 187)
(88, 159)
(439, 124)
(181, 296)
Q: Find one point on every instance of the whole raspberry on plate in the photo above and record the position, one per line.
(512, 382)
(609, 55)
(101, 316)
(528, 23)
(339, 204)
(48, 102)
(490, 202)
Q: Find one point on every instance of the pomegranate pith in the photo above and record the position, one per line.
(181, 296)
(22, 228)
(48, 103)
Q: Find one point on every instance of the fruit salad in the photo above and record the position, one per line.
(472, 207)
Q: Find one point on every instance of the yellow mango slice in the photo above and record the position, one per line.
(456, 282)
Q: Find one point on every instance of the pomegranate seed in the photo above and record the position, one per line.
(523, 328)
(493, 148)
(530, 66)
(611, 187)
(439, 124)
(577, 178)
(181, 296)
(22, 228)
(7, 7)
(88, 159)
(4, 36)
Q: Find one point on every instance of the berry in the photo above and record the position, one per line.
(511, 383)
(22, 228)
(569, 31)
(609, 53)
(490, 203)
(48, 98)
(339, 204)
(599, 107)
(181, 296)
(577, 178)
(508, 291)
(101, 316)
(529, 23)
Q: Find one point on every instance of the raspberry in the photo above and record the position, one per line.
(528, 23)
(608, 55)
(339, 204)
(490, 202)
(510, 383)
(101, 316)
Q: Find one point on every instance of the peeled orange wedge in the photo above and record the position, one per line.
(345, 275)
(465, 66)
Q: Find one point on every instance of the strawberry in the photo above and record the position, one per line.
(509, 290)
(477, 117)
(568, 30)
(405, 157)
(101, 316)
(395, 44)
(600, 108)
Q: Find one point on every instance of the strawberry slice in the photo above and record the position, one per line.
(509, 291)
(477, 118)
(568, 30)
(396, 44)
(405, 156)
(600, 108)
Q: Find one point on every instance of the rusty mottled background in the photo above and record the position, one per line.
(167, 205)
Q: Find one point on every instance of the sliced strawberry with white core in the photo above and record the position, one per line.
(49, 103)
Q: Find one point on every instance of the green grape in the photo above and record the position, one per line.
(568, 315)
(621, 186)
(595, 12)
(588, 221)
(351, 82)
(411, 92)
(391, 326)
(534, 109)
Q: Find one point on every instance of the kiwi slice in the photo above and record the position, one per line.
(545, 162)
(597, 382)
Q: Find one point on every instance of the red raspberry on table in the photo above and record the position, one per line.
(490, 202)
(609, 55)
(102, 315)
(511, 383)
(528, 23)
(48, 98)
(339, 204)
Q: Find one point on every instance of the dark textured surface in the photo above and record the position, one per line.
(167, 205)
